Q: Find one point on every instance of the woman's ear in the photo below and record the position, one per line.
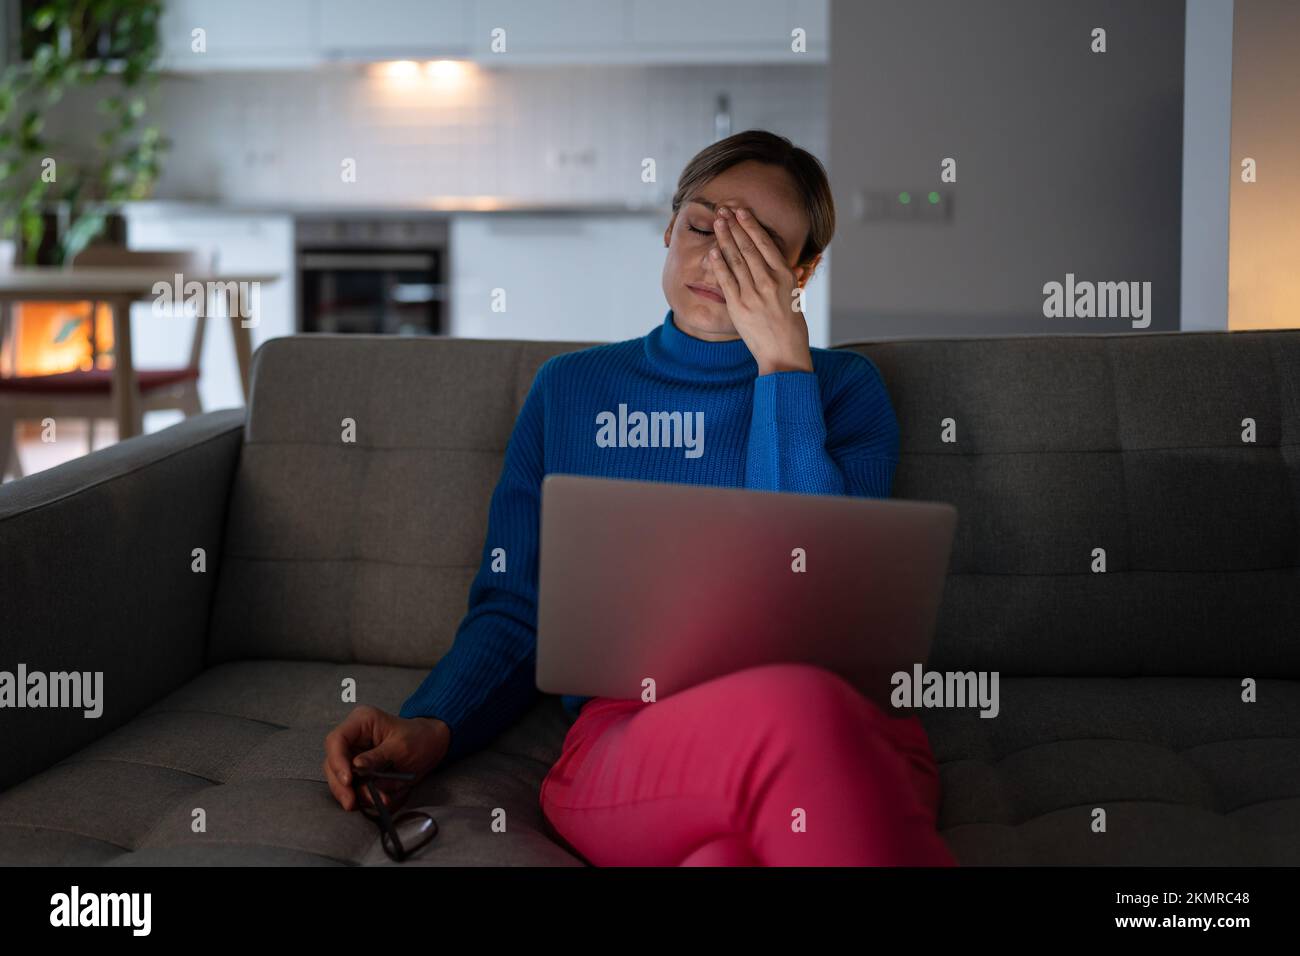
(804, 272)
(669, 231)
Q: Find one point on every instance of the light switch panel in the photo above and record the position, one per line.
(903, 205)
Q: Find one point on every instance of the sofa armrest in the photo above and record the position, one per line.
(96, 576)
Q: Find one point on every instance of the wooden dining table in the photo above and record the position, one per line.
(119, 288)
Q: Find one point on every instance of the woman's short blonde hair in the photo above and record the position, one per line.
(805, 170)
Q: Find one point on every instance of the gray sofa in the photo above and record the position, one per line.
(327, 561)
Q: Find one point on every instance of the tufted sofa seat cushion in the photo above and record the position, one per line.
(243, 742)
(1187, 773)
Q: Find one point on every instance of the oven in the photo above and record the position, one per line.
(377, 276)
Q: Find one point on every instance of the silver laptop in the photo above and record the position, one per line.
(683, 583)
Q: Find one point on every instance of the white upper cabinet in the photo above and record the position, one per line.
(238, 34)
(394, 29)
(690, 28)
(292, 34)
(550, 31)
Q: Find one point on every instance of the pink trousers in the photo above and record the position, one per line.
(780, 765)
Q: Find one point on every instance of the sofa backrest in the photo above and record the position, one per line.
(1066, 448)
(364, 551)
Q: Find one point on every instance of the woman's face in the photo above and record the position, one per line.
(765, 190)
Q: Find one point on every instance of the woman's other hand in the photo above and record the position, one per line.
(371, 739)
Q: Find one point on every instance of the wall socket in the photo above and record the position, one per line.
(571, 158)
(902, 205)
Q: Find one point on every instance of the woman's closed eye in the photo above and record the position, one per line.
(702, 232)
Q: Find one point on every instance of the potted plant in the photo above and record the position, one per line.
(53, 203)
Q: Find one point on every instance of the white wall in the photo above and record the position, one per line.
(1264, 232)
(1068, 161)
(1207, 173)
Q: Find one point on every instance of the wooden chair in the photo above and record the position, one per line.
(88, 393)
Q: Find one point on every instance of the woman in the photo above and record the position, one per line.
(785, 764)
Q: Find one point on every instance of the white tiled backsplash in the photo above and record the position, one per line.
(572, 133)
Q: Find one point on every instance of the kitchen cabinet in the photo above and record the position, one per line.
(573, 277)
(239, 34)
(586, 31)
(564, 277)
(298, 34)
(393, 29)
(686, 28)
(251, 242)
(649, 31)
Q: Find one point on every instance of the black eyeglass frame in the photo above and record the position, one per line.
(387, 823)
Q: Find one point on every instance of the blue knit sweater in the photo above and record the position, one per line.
(828, 431)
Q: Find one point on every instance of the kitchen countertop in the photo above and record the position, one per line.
(446, 206)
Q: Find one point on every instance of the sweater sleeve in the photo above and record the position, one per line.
(850, 446)
(487, 680)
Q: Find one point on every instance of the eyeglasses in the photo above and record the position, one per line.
(402, 834)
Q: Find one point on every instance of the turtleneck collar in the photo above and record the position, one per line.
(685, 356)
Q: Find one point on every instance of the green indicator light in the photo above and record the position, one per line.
(905, 198)
(934, 198)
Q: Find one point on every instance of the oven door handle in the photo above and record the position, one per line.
(387, 261)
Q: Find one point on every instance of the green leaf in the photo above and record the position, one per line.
(36, 191)
(80, 234)
(43, 18)
(32, 125)
(42, 58)
(33, 230)
(66, 329)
